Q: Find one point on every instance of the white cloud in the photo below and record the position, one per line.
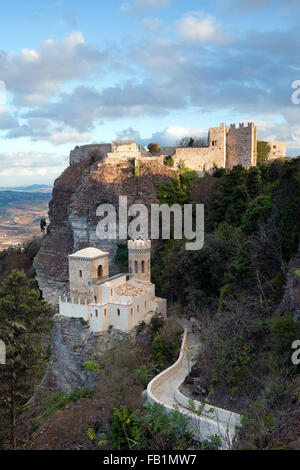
(200, 27)
(60, 138)
(35, 75)
(30, 55)
(172, 134)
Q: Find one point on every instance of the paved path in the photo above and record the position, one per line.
(166, 389)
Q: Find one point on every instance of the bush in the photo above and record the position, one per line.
(92, 366)
(154, 147)
(284, 331)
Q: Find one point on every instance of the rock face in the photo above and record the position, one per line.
(72, 211)
(72, 344)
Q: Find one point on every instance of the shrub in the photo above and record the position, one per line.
(154, 147)
(284, 331)
(92, 366)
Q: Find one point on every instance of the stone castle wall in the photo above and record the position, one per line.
(278, 150)
(241, 146)
(226, 148)
(87, 151)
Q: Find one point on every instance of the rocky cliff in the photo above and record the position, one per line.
(72, 212)
(72, 344)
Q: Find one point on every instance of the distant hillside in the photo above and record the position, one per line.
(20, 215)
(41, 188)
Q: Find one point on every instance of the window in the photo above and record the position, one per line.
(100, 271)
(138, 308)
(145, 304)
(105, 312)
(131, 311)
(274, 146)
(95, 299)
(143, 266)
(136, 267)
(80, 273)
(91, 315)
(96, 311)
(118, 312)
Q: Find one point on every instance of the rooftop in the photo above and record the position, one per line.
(89, 253)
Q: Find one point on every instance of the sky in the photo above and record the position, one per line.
(75, 73)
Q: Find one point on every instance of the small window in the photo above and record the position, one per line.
(91, 315)
(131, 311)
(138, 308)
(143, 266)
(274, 146)
(136, 266)
(105, 312)
(118, 312)
(80, 273)
(95, 299)
(145, 304)
(96, 311)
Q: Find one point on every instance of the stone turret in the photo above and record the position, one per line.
(139, 254)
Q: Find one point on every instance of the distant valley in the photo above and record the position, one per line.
(21, 210)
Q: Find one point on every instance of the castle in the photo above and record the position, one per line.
(225, 149)
(121, 301)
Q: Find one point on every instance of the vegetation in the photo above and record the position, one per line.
(23, 319)
(235, 285)
(263, 150)
(153, 147)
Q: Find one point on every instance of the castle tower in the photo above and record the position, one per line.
(139, 261)
(87, 267)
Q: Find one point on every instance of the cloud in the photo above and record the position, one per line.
(200, 27)
(172, 134)
(35, 75)
(152, 24)
(65, 137)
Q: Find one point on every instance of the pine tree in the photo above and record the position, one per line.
(23, 319)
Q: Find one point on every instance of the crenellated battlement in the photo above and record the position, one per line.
(227, 147)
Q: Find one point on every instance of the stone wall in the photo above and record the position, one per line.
(241, 146)
(278, 150)
(84, 152)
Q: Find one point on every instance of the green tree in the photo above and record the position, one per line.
(23, 318)
(263, 150)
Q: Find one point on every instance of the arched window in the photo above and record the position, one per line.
(80, 273)
(95, 299)
(143, 266)
(118, 312)
(136, 267)
(100, 271)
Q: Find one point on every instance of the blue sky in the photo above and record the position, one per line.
(82, 72)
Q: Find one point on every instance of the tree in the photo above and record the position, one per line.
(23, 318)
(154, 147)
(263, 150)
(43, 225)
(193, 142)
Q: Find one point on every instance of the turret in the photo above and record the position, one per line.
(139, 254)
